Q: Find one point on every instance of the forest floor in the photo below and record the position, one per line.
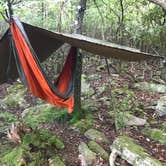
(103, 86)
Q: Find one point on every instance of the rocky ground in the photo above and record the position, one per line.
(122, 122)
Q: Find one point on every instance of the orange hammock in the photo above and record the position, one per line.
(36, 78)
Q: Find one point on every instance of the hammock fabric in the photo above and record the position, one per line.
(31, 72)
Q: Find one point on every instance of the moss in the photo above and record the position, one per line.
(57, 161)
(45, 113)
(15, 88)
(97, 136)
(129, 143)
(15, 157)
(5, 149)
(55, 141)
(156, 134)
(153, 122)
(35, 149)
(150, 87)
(14, 97)
(6, 120)
(164, 124)
(43, 138)
(132, 152)
(83, 125)
(8, 117)
(98, 150)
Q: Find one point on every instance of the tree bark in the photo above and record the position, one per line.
(78, 29)
(161, 3)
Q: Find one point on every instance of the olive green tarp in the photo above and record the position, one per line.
(45, 43)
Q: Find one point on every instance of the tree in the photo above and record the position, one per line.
(161, 3)
(78, 30)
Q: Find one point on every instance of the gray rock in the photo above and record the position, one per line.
(163, 73)
(131, 120)
(161, 106)
(155, 134)
(95, 147)
(86, 156)
(86, 89)
(132, 152)
(96, 135)
(150, 87)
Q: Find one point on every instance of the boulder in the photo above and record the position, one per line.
(152, 87)
(97, 136)
(86, 156)
(163, 73)
(133, 153)
(86, 88)
(161, 106)
(131, 120)
(95, 147)
(82, 125)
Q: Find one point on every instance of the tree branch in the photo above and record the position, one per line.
(160, 3)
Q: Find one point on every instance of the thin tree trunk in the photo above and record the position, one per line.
(78, 29)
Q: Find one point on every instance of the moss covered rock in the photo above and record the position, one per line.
(96, 135)
(150, 87)
(131, 120)
(86, 88)
(155, 134)
(95, 147)
(133, 153)
(82, 125)
(86, 155)
(164, 125)
(161, 106)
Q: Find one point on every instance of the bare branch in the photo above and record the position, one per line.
(160, 3)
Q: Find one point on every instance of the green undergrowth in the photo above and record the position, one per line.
(83, 124)
(15, 97)
(36, 116)
(6, 120)
(36, 148)
(123, 100)
(83, 119)
(8, 117)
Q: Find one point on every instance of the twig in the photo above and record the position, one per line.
(4, 17)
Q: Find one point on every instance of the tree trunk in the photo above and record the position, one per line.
(78, 29)
(161, 3)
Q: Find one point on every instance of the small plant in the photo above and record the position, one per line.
(119, 121)
(123, 100)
